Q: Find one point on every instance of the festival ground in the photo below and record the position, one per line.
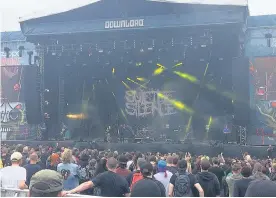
(229, 150)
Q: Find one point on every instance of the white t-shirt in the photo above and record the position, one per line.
(12, 175)
(164, 180)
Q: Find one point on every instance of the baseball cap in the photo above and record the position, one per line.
(16, 156)
(46, 181)
(146, 168)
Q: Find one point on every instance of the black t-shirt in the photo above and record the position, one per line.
(218, 172)
(240, 187)
(172, 169)
(31, 169)
(192, 178)
(148, 188)
(111, 184)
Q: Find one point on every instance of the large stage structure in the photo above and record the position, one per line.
(144, 69)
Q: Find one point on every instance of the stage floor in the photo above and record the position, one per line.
(229, 150)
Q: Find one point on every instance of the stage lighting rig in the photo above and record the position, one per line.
(7, 51)
(47, 90)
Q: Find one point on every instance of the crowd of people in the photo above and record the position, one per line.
(58, 171)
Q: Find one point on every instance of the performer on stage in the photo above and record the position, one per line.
(270, 150)
(121, 133)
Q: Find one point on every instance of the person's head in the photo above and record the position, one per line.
(111, 164)
(66, 156)
(140, 163)
(246, 171)
(122, 159)
(46, 183)
(54, 159)
(257, 168)
(84, 156)
(16, 158)
(19, 148)
(169, 160)
(33, 158)
(175, 160)
(215, 161)
(26, 150)
(205, 165)
(261, 188)
(147, 170)
(162, 167)
(236, 168)
(182, 165)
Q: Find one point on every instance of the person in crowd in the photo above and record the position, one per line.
(83, 167)
(101, 167)
(130, 159)
(75, 154)
(32, 167)
(233, 177)
(273, 172)
(43, 158)
(163, 175)
(122, 168)
(110, 183)
(217, 170)
(68, 170)
(148, 186)
(1, 163)
(259, 172)
(207, 180)
(240, 186)
(181, 183)
(261, 188)
(172, 164)
(14, 176)
(136, 175)
(46, 183)
(133, 166)
(54, 161)
(25, 156)
(5, 157)
(153, 161)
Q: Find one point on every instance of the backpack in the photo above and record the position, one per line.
(83, 173)
(182, 187)
(135, 178)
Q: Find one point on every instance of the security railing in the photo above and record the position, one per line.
(9, 192)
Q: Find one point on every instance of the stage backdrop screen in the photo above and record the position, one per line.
(263, 98)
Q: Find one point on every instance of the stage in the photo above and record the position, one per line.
(229, 150)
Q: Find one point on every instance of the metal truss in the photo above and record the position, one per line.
(243, 135)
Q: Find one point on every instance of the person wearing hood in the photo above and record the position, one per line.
(233, 177)
(208, 181)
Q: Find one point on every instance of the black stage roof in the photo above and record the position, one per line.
(95, 17)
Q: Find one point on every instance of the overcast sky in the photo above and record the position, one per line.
(11, 10)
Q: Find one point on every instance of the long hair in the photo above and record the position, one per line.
(101, 167)
(66, 156)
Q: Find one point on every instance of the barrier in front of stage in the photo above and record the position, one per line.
(9, 192)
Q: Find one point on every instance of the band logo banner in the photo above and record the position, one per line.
(124, 24)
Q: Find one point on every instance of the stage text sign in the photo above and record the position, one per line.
(145, 103)
(124, 24)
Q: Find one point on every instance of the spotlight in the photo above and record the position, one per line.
(47, 90)
(21, 49)
(47, 102)
(7, 50)
(46, 115)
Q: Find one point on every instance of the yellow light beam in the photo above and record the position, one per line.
(113, 70)
(189, 124)
(129, 79)
(126, 85)
(113, 94)
(80, 116)
(123, 113)
(206, 69)
(186, 76)
(158, 71)
(178, 65)
(177, 104)
(141, 79)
